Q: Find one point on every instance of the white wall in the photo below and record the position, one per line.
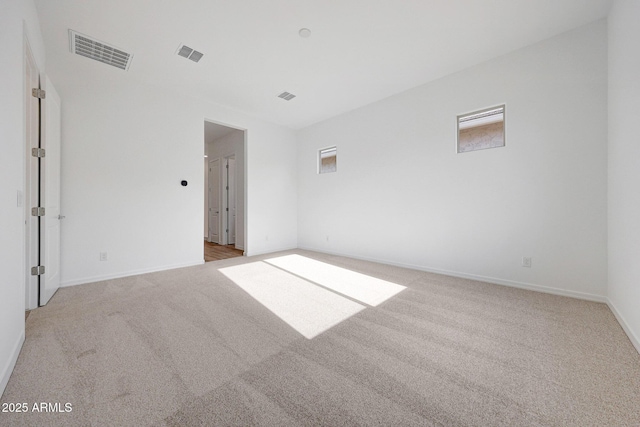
(402, 195)
(624, 165)
(272, 214)
(232, 143)
(126, 147)
(16, 18)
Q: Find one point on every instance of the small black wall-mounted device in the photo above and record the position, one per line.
(184, 183)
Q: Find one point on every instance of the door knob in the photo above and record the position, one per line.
(61, 217)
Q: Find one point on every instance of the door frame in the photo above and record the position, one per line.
(245, 186)
(209, 199)
(225, 197)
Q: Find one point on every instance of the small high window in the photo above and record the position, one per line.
(327, 160)
(481, 129)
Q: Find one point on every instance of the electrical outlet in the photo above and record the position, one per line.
(526, 262)
(103, 256)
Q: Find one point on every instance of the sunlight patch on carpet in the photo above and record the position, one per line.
(366, 289)
(288, 287)
(306, 307)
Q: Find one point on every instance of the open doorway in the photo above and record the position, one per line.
(41, 196)
(224, 195)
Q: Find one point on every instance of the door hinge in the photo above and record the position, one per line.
(37, 270)
(38, 93)
(227, 166)
(227, 187)
(37, 211)
(38, 152)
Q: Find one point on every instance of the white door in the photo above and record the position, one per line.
(231, 200)
(214, 201)
(32, 190)
(50, 191)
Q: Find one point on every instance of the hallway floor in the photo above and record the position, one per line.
(216, 252)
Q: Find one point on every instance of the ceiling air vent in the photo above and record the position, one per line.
(102, 52)
(187, 52)
(286, 96)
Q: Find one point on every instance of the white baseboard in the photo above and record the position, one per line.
(271, 251)
(11, 363)
(101, 278)
(494, 280)
(625, 326)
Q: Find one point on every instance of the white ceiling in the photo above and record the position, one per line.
(359, 51)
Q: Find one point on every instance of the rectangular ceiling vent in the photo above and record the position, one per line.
(187, 52)
(91, 48)
(286, 96)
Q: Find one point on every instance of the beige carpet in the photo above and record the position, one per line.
(191, 347)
